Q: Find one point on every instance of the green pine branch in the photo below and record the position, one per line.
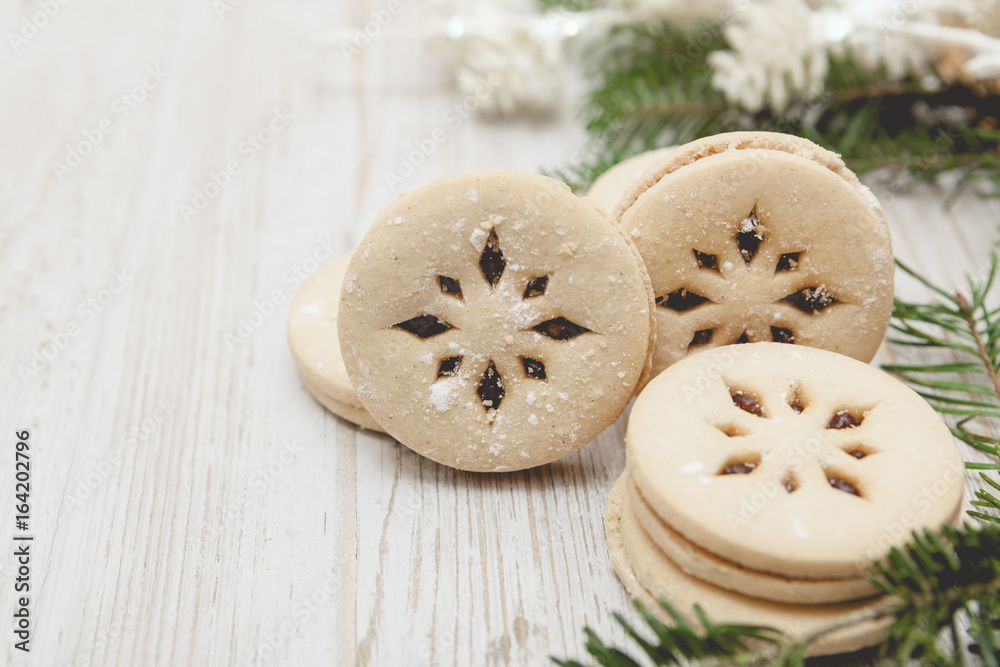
(651, 86)
(680, 642)
(937, 583)
(568, 5)
(967, 385)
(934, 586)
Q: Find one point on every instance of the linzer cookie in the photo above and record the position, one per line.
(315, 345)
(756, 236)
(794, 462)
(610, 186)
(495, 321)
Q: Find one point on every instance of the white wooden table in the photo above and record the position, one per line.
(190, 503)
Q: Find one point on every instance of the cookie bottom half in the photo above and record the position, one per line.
(649, 575)
(707, 566)
(351, 413)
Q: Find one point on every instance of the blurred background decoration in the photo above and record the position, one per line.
(906, 88)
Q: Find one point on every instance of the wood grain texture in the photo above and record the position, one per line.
(191, 504)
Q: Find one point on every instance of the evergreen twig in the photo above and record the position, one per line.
(651, 86)
(934, 586)
(967, 386)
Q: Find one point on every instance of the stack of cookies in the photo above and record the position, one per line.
(762, 484)
(738, 285)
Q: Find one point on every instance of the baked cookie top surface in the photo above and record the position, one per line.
(794, 461)
(751, 244)
(495, 321)
(693, 151)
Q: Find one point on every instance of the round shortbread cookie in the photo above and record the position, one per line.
(756, 236)
(315, 344)
(648, 575)
(494, 321)
(608, 188)
(791, 460)
(706, 566)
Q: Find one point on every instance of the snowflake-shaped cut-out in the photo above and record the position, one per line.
(735, 281)
(839, 443)
(491, 387)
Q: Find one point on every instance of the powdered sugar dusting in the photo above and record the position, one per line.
(312, 310)
(478, 238)
(693, 468)
(522, 315)
(442, 395)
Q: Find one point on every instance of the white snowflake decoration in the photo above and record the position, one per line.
(519, 56)
(778, 52)
(525, 52)
(509, 59)
(779, 48)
